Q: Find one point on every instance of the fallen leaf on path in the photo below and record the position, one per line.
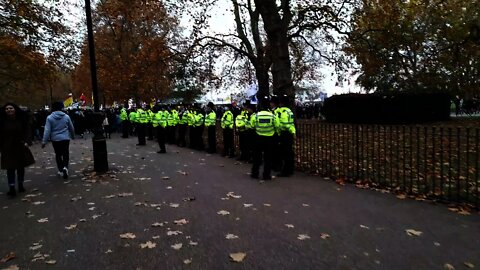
(12, 267)
(223, 212)
(290, 226)
(108, 251)
(191, 243)
(412, 232)
(8, 257)
(232, 195)
(51, 262)
(156, 237)
(231, 236)
(364, 227)
(181, 222)
(448, 266)
(436, 244)
(303, 237)
(187, 261)
(148, 245)
(267, 204)
(71, 227)
(91, 208)
(125, 194)
(169, 233)
(237, 257)
(305, 205)
(246, 205)
(402, 196)
(42, 220)
(158, 224)
(174, 205)
(38, 203)
(110, 196)
(128, 236)
(165, 178)
(82, 220)
(189, 199)
(182, 172)
(91, 203)
(177, 246)
(469, 265)
(324, 235)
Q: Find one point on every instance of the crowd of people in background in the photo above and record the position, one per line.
(265, 132)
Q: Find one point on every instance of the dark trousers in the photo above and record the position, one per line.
(141, 134)
(182, 132)
(11, 176)
(62, 154)
(242, 141)
(262, 150)
(191, 136)
(199, 136)
(287, 158)
(276, 159)
(228, 147)
(249, 143)
(212, 139)
(125, 128)
(150, 131)
(161, 138)
(171, 134)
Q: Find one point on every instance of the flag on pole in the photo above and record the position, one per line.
(68, 101)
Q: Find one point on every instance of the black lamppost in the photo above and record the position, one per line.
(100, 156)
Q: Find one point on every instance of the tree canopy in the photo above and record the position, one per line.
(416, 45)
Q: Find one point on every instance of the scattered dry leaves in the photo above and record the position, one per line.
(8, 257)
(231, 236)
(324, 236)
(303, 237)
(71, 227)
(181, 222)
(238, 257)
(148, 245)
(42, 220)
(412, 232)
(223, 212)
(448, 266)
(177, 246)
(290, 226)
(51, 262)
(187, 261)
(128, 236)
(469, 265)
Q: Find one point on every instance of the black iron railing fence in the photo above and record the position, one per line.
(434, 162)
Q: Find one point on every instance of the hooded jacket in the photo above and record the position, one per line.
(58, 127)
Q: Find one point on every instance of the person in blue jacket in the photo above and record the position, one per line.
(59, 130)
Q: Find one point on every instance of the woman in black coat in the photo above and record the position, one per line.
(14, 138)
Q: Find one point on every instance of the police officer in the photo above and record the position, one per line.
(150, 129)
(276, 163)
(199, 124)
(159, 122)
(227, 126)
(265, 124)
(125, 122)
(210, 123)
(182, 126)
(142, 120)
(286, 136)
(241, 127)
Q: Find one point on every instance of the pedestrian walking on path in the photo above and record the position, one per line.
(59, 130)
(14, 141)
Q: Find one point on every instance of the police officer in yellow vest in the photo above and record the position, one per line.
(266, 125)
(150, 129)
(125, 122)
(199, 126)
(182, 126)
(159, 122)
(287, 133)
(227, 122)
(276, 163)
(142, 120)
(241, 128)
(210, 123)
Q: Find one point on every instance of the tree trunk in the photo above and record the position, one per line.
(261, 73)
(276, 28)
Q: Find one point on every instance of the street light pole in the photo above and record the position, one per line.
(100, 156)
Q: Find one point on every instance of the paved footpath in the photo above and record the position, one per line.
(303, 222)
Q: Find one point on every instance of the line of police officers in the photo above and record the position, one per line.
(265, 135)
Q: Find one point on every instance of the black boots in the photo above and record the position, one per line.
(21, 189)
(12, 193)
